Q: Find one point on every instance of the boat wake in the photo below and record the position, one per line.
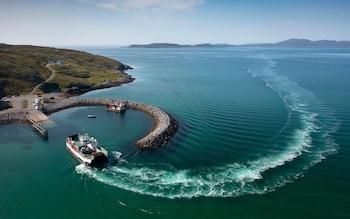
(304, 140)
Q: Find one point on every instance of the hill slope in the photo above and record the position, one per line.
(174, 45)
(23, 67)
(291, 43)
(304, 43)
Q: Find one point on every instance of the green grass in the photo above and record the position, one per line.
(25, 104)
(23, 67)
(10, 86)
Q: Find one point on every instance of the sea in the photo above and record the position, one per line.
(263, 133)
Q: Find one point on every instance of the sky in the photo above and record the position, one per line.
(126, 22)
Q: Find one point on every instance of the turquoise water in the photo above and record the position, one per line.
(264, 133)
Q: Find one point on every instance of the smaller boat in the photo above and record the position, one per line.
(86, 150)
(117, 107)
(91, 116)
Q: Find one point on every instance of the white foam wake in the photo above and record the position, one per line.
(306, 123)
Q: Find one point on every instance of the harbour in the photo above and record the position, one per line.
(165, 126)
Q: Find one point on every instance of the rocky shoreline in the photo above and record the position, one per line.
(13, 116)
(78, 90)
(165, 125)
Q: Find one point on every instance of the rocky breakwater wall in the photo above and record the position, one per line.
(165, 125)
(13, 116)
(65, 103)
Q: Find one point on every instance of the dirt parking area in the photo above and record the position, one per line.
(17, 101)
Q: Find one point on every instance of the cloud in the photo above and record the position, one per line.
(145, 5)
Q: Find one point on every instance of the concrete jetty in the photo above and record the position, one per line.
(165, 125)
(37, 116)
(38, 128)
(33, 117)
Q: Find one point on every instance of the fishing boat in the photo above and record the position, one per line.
(86, 149)
(116, 107)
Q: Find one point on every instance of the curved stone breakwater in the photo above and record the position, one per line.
(165, 125)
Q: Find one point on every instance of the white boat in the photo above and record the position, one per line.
(91, 116)
(121, 107)
(86, 149)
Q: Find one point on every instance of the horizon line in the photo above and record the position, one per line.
(181, 44)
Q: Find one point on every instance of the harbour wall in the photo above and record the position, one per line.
(13, 116)
(164, 128)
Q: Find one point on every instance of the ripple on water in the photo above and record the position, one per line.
(261, 146)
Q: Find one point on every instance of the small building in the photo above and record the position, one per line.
(50, 62)
(60, 62)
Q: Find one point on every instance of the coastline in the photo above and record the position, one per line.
(76, 91)
(164, 128)
(21, 107)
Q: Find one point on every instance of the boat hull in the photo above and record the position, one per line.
(95, 160)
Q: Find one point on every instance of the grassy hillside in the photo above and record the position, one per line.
(24, 67)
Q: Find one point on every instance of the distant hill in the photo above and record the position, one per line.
(291, 43)
(23, 67)
(174, 45)
(304, 43)
(157, 45)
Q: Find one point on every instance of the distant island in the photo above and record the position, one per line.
(291, 43)
(174, 45)
(26, 69)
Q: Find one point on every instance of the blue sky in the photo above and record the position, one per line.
(125, 22)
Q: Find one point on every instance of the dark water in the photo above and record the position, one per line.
(264, 133)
